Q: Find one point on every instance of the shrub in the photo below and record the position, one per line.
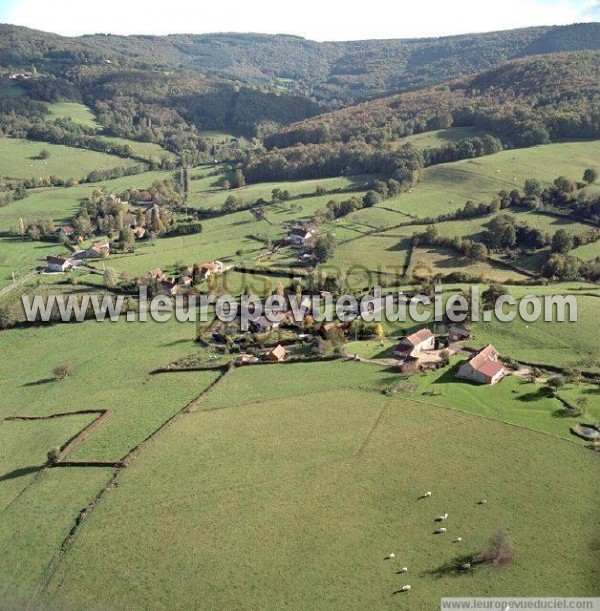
(63, 371)
(53, 454)
(498, 550)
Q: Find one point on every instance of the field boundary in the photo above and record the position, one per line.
(111, 483)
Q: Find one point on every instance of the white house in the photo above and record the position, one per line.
(58, 264)
(411, 345)
(300, 236)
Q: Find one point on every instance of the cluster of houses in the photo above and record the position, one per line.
(98, 250)
(417, 352)
(183, 285)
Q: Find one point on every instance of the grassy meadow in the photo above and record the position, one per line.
(20, 159)
(78, 113)
(329, 487)
(290, 484)
(449, 186)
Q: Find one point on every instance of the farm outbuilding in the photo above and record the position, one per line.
(484, 367)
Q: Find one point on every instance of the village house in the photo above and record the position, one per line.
(96, 251)
(57, 264)
(113, 199)
(185, 281)
(214, 267)
(67, 231)
(169, 288)
(102, 247)
(300, 236)
(276, 355)
(144, 198)
(458, 333)
(262, 324)
(411, 345)
(484, 367)
(328, 330)
(245, 359)
(154, 274)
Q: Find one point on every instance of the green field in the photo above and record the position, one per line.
(449, 186)
(568, 344)
(208, 192)
(78, 113)
(328, 488)
(19, 159)
(440, 137)
(427, 262)
(587, 252)
(146, 150)
(111, 365)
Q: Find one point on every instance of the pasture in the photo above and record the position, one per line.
(20, 159)
(328, 488)
(78, 113)
(449, 186)
(208, 191)
(427, 262)
(440, 137)
(145, 150)
(562, 344)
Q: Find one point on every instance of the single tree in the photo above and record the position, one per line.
(239, 179)
(324, 247)
(533, 187)
(590, 176)
(490, 296)
(63, 371)
(562, 242)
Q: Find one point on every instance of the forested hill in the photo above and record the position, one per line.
(523, 102)
(336, 72)
(526, 102)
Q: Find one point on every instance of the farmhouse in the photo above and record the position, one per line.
(263, 324)
(299, 236)
(67, 231)
(154, 274)
(484, 367)
(96, 251)
(214, 267)
(143, 199)
(57, 264)
(458, 333)
(276, 355)
(113, 199)
(411, 345)
(102, 247)
(169, 288)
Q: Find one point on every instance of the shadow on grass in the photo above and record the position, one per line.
(453, 567)
(40, 382)
(176, 342)
(22, 472)
(449, 376)
(540, 393)
(565, 412)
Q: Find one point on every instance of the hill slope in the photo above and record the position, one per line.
(333, 71)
